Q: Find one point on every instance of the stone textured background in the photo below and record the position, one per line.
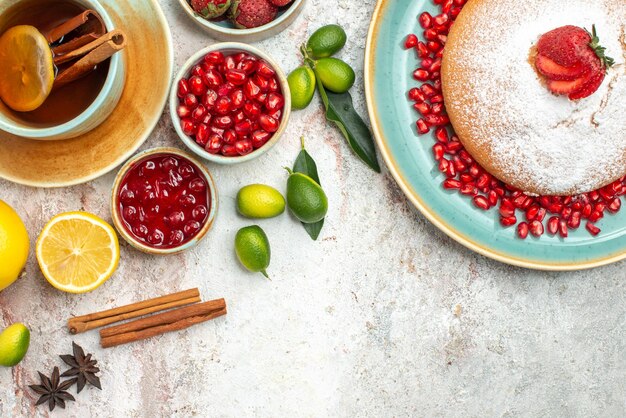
(383, 317)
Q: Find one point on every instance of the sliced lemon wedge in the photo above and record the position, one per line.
(77, 252)
(27, 69)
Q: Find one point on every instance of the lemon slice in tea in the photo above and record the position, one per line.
(77, 252)
(27, 69)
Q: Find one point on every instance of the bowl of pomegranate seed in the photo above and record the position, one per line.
(242, 20)
(230, 103)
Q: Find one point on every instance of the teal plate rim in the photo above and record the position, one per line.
(409, 159)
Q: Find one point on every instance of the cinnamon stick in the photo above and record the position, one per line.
(88, 21)
(87, 63)
(158, 324)
(84, 323)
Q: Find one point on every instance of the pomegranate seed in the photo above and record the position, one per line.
(453, 147)
(451, 171)
(264, 70)
(188, 126)
(437, 108)
(247, 66)
(563, 228)
(451, 184)
(421, 75)
(229, 63)
(214, 57)
(615, 205)
(593, 230)
(244, 147)
(259, 138)
(574, 220)
(243, 128)
(541, 214)
(223, 122)
(438, 151)
(468, 189)
(198, 113)
(196, 85)
(423, 108)
(426, 63)
(492, 196)
(209, 99)
(428, 90)
(531, 213)
(416, 95)
(230, 136)
(268, 123)
(595, 216)
(183, 88)
(202, 134)
(522, 230)
(433, 46)
(274, 101)
(553, 225)
(237, 77)
(252, 110)
(183, 111)
(442, 135)
(422, 50)
(212, 79)
(426, 20)
(508, 221)
(239, 117)
(447, 5)
(441, 19)
(442, 39)
(422, 127)
(430, 35)
(506, 209)
(229, 150)
(223, 105)
(411, 41)
(191, 101)
(251, 90)
(437, 98)
(587, 209)
(481, 202)
(536, 228)
(214, 144)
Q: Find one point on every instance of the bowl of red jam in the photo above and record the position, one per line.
(230, 103)
(163, 201)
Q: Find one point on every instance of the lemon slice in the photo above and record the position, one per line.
(77, 252)
(27, 70)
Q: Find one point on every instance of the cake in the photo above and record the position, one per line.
(505, 111)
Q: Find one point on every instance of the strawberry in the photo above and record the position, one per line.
(210, 9)
(554, 71)
(252, 13)
(280, 3)
(572, 61)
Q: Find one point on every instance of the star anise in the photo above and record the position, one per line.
(83, 368)
(52, 390)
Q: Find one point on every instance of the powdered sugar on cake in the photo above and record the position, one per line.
(559, 146)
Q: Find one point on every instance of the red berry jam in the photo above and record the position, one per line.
(163, 201)
(230, 104)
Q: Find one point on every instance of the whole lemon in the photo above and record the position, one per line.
(14, 245)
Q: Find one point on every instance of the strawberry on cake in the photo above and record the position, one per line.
(536, 91)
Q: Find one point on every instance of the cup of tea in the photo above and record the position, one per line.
(77, 41)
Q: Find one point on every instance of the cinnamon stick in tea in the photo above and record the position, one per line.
(84, 323)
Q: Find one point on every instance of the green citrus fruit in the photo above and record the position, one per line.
(260, 201)
(335, 74)
(326, 41)
(14, 342)
(305, 198)
(253, 249)
(302, 86)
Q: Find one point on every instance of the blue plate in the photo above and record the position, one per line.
(388, 77)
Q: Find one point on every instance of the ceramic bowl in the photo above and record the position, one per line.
(229, 48)
(95, 114)
(226, 31)
(119, 223)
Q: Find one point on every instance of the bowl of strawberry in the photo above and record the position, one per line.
(230, 103)
(242, 20)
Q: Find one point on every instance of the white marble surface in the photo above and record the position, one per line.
(383, 317)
